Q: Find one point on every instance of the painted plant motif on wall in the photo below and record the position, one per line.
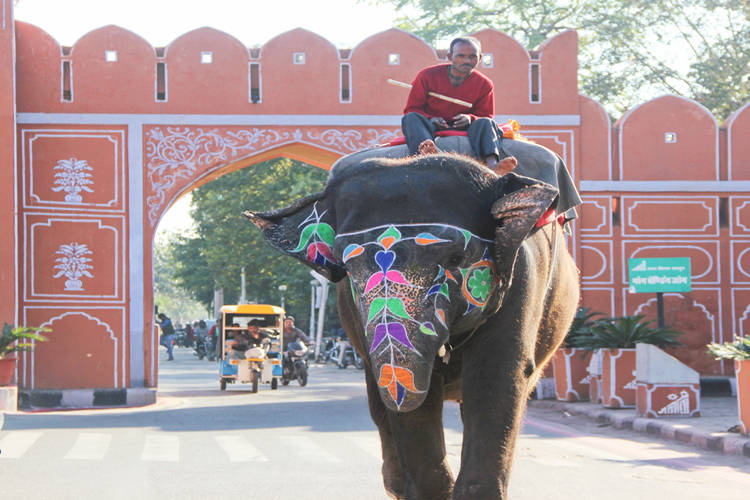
(73, 177)
(73, 264)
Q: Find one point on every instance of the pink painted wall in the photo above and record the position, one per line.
(711, 225)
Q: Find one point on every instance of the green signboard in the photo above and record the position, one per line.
(659, 275)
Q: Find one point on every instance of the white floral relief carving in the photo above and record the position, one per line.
(177, 152)
(73, 264)
(353, 140)
(180, 152)
(73, 177)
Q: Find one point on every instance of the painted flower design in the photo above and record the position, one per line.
(316, 238)
(480, 283)
(397, 380)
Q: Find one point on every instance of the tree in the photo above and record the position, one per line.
(226, 241)
(630, 50)
(174, 300)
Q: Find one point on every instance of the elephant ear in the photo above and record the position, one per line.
(521, 204)
(304, 230)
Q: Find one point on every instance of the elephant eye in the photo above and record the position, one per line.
(455, 260)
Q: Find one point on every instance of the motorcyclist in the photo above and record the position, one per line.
(292, 334)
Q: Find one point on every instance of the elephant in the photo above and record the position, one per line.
(451, 287)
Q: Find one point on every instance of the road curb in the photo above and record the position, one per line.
(720, 442)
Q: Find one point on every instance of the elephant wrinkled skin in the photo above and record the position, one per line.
(436, 255)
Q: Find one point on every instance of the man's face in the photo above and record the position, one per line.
(288, 324)
(253, 330)
(464, 58)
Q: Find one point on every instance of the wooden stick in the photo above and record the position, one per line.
(433, 94)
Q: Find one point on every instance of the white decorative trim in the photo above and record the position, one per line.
(737, 321)
(569, 158)
(29, 358)
(667, 186)
(135, 252)
(190, 152)
(266, 120)
(31, 200)
(737, 262)
(670, 200)
(717, 329)
(730, 134)
(672, 244)
(30, 241)
(605, 210)
(606, 262)
(735, 216)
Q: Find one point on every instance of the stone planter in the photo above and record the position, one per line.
(571, 374)
(742, 372)
(666, 387)
(618, 378)
(7, 371)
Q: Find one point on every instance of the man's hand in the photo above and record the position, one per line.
(439, 122)
(461, 122)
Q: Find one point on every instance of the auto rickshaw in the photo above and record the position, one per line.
(248, 363)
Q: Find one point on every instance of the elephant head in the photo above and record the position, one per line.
(428, 244)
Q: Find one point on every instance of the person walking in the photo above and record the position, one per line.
(167, 334)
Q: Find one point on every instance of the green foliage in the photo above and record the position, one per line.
(12, 337)
(175, 301)
(582, 327)
(738, 350)
(630, 50)
(225, 241)
(625, 332)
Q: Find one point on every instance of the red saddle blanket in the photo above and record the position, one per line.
(510, 130)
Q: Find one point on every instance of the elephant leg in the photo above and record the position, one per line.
(393, 477)
(420, 444)
(495, 387)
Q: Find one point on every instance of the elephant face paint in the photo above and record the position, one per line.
(413, 283)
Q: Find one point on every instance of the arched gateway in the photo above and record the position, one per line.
(100, 138)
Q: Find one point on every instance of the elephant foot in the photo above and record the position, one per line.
(501, 167)
(428, 147)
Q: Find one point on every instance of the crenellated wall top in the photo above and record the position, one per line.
(296, 72)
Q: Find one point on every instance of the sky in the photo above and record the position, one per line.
(253, 22)
(343, 22)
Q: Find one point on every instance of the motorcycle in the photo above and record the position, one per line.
(350, 357)
(295, 364)
(205, 347)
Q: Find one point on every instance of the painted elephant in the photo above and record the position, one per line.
(450, 288)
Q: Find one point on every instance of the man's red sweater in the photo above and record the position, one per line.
(476, 89)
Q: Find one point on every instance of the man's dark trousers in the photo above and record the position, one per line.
(484, 135)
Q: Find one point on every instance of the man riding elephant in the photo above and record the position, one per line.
(425, 114)
(454, 284)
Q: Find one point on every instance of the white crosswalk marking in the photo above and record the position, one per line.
(14, 445)
(161, 448)
(308, 449)
(89, 446)
(239, 449)
(370, 445)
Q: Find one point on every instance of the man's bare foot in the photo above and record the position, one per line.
(501, 167)
(428, 147)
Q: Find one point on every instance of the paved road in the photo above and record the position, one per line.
(315, 442)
